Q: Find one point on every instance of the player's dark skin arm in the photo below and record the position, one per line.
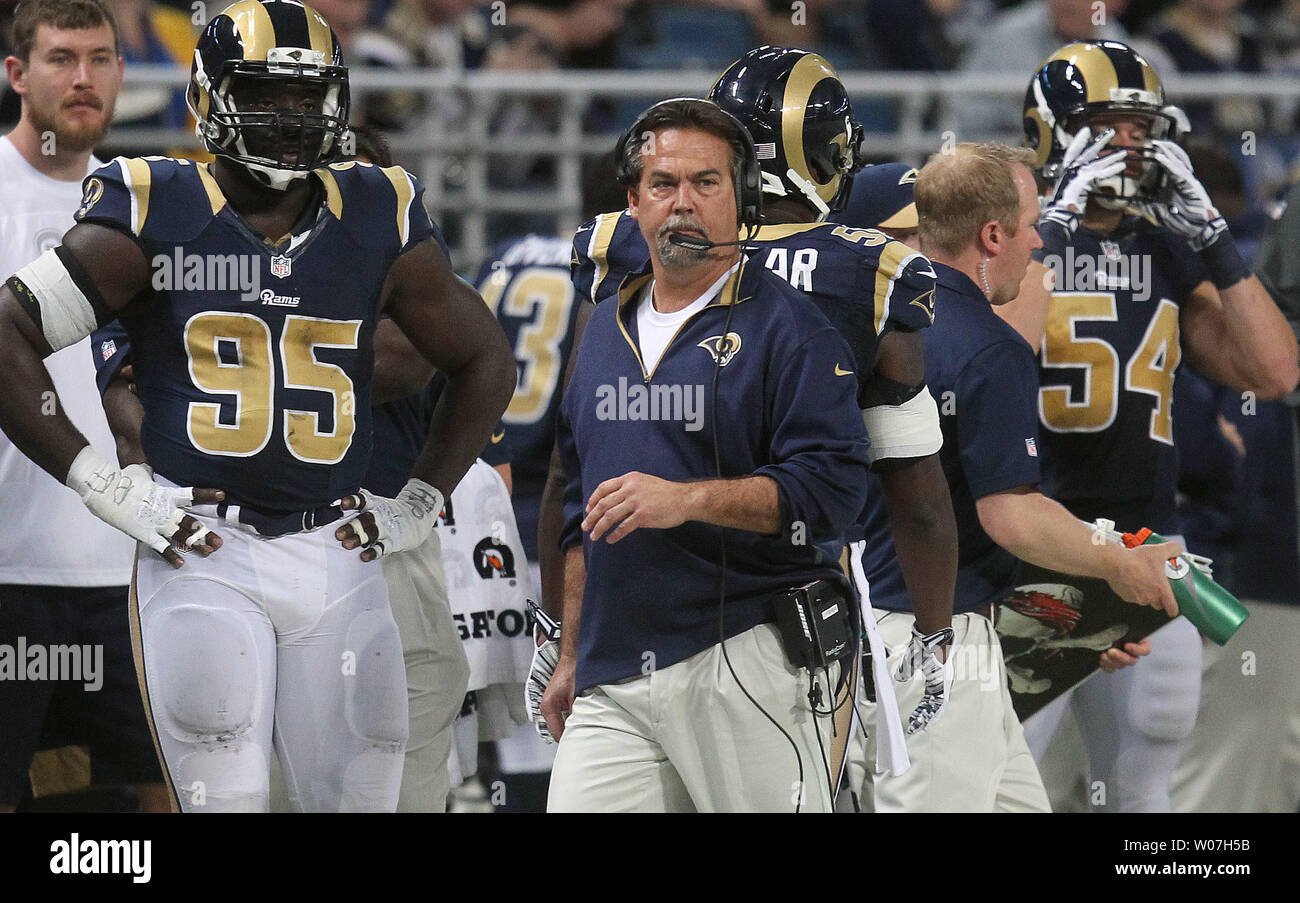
(125, 414)
(920, 507)
(400, 368)
(550, 517)
(118, 268)
(452, 328)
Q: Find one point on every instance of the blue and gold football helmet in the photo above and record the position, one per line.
(801, 120)
(265, 43)
(1093, 78)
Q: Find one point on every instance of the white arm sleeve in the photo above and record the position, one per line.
(908, 430)
(67, 316)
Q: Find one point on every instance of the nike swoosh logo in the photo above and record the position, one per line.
(840, 371)
(497, 437)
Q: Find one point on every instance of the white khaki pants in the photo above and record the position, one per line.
(685, 738)
(973, 757)
(437, 672)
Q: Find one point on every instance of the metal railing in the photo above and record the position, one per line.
(428, 149)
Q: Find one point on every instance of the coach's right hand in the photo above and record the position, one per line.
(557, 701)
(129, 499)
(1140, 577)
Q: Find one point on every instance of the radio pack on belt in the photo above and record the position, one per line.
(816, 623)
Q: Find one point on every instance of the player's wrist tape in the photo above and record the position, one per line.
(1224, 262)
(58, 295)
(129, 499)
(403, 522)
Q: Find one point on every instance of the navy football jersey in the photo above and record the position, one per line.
(527, 285)
(864, 282)
(1106, 374)
(253, 362)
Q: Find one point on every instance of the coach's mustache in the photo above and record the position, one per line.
(682, 224)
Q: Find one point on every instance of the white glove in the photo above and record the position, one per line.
(129, 499)
(401, 523)
(1189, 211)
(545, 657)
(920, 656)
(1081, 170)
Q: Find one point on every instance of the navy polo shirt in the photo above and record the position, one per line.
(984, 377)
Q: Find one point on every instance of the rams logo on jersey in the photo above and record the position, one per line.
(926, 303)
(493, 559)
(721, 349)
(90, 197)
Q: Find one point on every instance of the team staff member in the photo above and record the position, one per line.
(882, 198)
(67, 71)
(668, 717)
(977, 207)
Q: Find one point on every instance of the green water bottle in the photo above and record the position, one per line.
(1216, 612)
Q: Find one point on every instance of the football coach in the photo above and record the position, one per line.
(715, 455)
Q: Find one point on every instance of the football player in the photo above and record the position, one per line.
(262, 390)
(878, 292)
(882, 198)
(1145, 272)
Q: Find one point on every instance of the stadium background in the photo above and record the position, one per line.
(501, 107)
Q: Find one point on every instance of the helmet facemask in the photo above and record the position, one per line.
(1148, 182)
(280, 145)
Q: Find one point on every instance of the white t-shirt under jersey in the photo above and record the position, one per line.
(47, 536)
(654, 330)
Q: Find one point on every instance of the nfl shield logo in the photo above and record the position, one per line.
(1031, 448)
(108, 349)
(1110, 249)
(281, 266)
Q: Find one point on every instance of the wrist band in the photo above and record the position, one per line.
(1055, 236)
(1224, 261)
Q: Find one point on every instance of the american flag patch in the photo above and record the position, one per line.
(1031, 448)
(108, 349)
(765, 150)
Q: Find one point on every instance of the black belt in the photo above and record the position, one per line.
(266, 523)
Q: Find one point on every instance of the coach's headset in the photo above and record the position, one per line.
(748, 188)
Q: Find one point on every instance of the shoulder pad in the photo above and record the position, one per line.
(904, 288)
(158, 198)
(606, 250)
(381, 207)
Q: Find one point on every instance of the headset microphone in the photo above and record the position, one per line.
(699, 244)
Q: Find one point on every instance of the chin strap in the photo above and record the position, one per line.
(809, 191)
